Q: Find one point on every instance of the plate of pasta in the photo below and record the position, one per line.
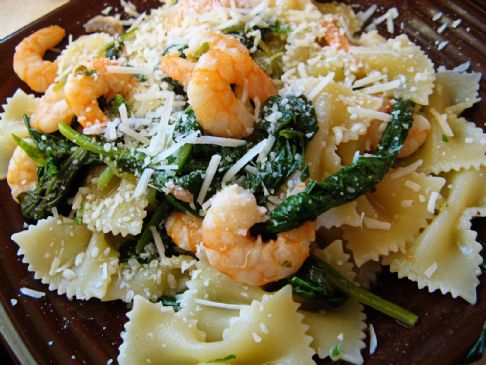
(244, 182)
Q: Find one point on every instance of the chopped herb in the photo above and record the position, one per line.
(280, 28)
(336, 352)
(223, 359)
(445, 138)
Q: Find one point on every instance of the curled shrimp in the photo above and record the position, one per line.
(332, 34)
(209, 91)
(185, 230)
(232, 250)
(28, 63)
(416, 137)
(21, 173)
(51, 110)
(177, 68)
(90, 81)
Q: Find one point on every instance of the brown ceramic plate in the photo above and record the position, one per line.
(54, 330)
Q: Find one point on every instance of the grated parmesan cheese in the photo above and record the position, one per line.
(266, 150)
(432, 201)
(208, 178)
(412, 185)
(373, 339)
(407, 170)
(190, 139)
(431, 270)
(159, 244)
(210, 303)
(321, 85)
(370, 79)
(142, 184)
(220, 141)
(114, 69)
(32, 293)
(379, 88)
(369, 113)
(247, 157)
(443, 124)
(372, 223)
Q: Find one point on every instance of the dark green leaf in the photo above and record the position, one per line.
(348, 183)
(223, 359)
(117, 102)
(171, 302)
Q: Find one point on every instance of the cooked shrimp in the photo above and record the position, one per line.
(332, 34)
(177, 68)
(28, 63)
(185, 230)
(21, 173)
(416, 137)
(51, 110)
(209, 91)
(90, 81)
(232, 250)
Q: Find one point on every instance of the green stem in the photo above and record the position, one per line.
(105, 177)
(365, 297)
(82, 141)
(30, 150)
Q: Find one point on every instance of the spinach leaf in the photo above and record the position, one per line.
(56, 182)
(318, 280)
(117, 102)
(295, 126)
(348, 183)
(171, 302)
(179, 48)
(477, 351)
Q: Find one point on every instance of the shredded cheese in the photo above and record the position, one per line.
(431, 270)
(114, 69)
(247, 157)
(190, 139)
(32, 293)
(321, 85)
(142, 184)
(432, 201)
(407, 170)
(210, 303)
(443, 124)
(369, 113)
(220, 141)
(373, 339)
(371, 78)
(266, 150)
(379, 88)
(373, 223)
(208, 178)
(159, 244)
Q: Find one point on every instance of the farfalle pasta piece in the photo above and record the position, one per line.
(402, 62)
(163, 276)
(114, 209)
(455, 92)
(267, 331)
(393, 214)
(446, 255)
(338, 123)
(343, 326)
(67, 256)
(344, 14)
(336, 217)
(11, 122)
(464, 150)
(17, 105)
(208, 284)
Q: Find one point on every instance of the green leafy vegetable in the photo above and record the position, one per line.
(295, 127)
(61, 164)
(318, 280)
(113, 50)
(477, 351)
(179, 48)
(117, 102)
(445, 138)
(348, 183)
(158, 216)
(171, 302)
(105, 177)
(31, 150)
